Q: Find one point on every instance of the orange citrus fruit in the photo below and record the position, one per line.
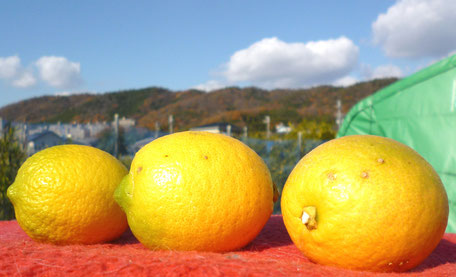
(196, 191)
(64, 195)
(365, 202)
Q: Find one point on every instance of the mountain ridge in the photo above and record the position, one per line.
(242, 106)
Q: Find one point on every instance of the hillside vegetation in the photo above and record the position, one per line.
(239, 106)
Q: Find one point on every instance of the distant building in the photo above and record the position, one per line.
(282, 128)
(77, 133)
(40, 141)
(84, 133)
(219, 128)
(21, 131)
(126, 122)
(96, 128)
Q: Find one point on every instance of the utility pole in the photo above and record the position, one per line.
(116, 135)
(339, 118)
(24, 136)
(299, 144)
(170, 123)
(245, 129)
(157, 129)
(267, 121)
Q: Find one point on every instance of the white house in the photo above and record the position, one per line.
(126, 122)
(282, 128)
(218, 128)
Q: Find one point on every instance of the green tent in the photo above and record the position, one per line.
(419, 111)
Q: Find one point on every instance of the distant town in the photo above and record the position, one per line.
(37, 136)
(34, 137)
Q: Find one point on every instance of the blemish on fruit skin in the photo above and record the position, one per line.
(139, 169)
(166, 156)
(205, 157)
(399, 264)
(331, 176)
(364, 174)
(381, 161)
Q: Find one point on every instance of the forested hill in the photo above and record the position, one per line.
(240, 106)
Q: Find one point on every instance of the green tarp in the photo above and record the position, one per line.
(419, 111)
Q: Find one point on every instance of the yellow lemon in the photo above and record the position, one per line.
(196, 191)
(366, 203)
(64, 195)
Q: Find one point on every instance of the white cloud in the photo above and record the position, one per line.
(272, 63)
(63, 93)
(382, 71)
(24, 80)
(345, 81)
(417, 28)
(12, 72)
(59, 72)
(210, 86)
(72, 92)
(9, 67)
(55, 71)
(385, 71)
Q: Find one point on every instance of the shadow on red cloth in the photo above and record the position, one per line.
(126, 238)
(436, 258)
(274, 234)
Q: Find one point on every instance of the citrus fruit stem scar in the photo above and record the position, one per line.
(308, 218)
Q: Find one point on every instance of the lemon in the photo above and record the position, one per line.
(366, 203)
(196, 191)
(64, 195)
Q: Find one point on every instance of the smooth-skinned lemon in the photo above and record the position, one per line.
(196, 191)
(64, 195)
(365, 202)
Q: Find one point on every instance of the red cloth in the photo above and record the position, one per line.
(271, 254)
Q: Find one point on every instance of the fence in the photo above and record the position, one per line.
(280, 155)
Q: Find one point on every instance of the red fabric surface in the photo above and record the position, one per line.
(271, 254)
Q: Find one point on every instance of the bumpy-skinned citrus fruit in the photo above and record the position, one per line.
(196, 191)
(366, 203)
(64, 195)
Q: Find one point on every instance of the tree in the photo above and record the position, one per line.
(280, 156)
(106, 142)
(322, 129)
(11, 158)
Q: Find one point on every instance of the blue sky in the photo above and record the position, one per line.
(63, 47)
